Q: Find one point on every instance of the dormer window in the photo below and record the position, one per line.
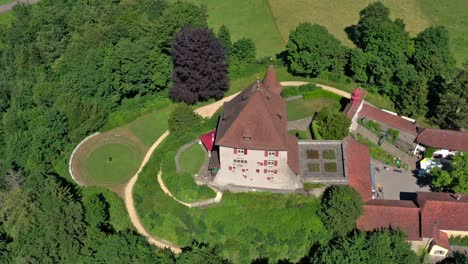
(247, 138)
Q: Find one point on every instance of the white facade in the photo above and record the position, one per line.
(255, 168)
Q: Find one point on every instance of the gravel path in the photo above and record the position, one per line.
(301, 124)
(8, 7)
(325, 87)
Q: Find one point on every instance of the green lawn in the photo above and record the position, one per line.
(246, 18)
(111, 162)
(300, 134)
(2, 2)
(316, 101)
(192, 159)
(6, 19)
(379, 153)
(150, 127)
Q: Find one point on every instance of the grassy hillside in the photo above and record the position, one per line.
(246, 18)
(268, 22)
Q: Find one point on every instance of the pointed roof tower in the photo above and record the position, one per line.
(271, 82)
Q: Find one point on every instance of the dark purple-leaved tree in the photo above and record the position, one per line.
(200, 68)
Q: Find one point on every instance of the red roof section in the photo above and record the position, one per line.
(357, 96)
(444, 139)
(293, 154)
(258, 113)
(208, 139)
(271, 82)
(443, 211)
(395, 214)
(441, 240)
(357, 159)
(376, 114)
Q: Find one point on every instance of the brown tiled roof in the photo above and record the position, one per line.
(442, 210)
(443, 138)
(293, 154)
(358, 167)
(441, 239)
(357, 97)
(271, 82)
(397, 122)
(393, 214)
(257, 112)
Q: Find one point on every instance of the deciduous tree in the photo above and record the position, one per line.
(341, 206)
(311, 50)
(200, 69)
(332, 125)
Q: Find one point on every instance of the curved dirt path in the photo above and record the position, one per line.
(204, 111)
(5, 8)
(325, 87)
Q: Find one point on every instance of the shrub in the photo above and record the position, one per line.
(299, 90)
(329, 154)
(313, 167)
(340, 208)
(393, 135)
(332, 125)
(330, 167)
(373, 126)
(300, 134)
(459, 241)
(183, 119)
(312, 154)
(315, 134)
(312, 185)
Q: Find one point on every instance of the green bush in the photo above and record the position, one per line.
(379, 153)
(392, 135)
(332, 125)
(183, 120)
(459, 241)
(312, 185)
(372, 126)
(315, 134)
(300, 134)
(299, 90)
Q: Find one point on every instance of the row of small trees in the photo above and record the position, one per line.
(417, 74)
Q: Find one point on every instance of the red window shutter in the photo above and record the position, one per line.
(266, 153)
(276, 171)
(265, 163)
(277, 153)
(245, 151)
(235, 151)
(230, 167)
(276, 163)
(264, 170)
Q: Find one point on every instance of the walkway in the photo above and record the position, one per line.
(8, 7)
(301, 124)
(204, 111)
(391, 149)
(327, 88)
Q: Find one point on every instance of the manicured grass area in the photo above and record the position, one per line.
(330, 167)
(329, 154)
(312, 185)
(6, 19)
(111, 162)
(149, 127)
(192, 158)
(312, 102)
(300, 134)
(313, 167)
(246, 18)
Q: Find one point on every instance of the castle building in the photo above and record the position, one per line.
(252, 147)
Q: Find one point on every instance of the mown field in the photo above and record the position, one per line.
(268, 22)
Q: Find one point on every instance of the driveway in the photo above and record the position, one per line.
(397, 185)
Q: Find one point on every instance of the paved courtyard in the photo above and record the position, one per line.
(397, 185)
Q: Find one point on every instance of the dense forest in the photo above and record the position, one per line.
(65, 66)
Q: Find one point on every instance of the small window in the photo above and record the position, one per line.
(271, 153)
(240, 151)
(257, 170)
(247, 138)
(271, 163)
